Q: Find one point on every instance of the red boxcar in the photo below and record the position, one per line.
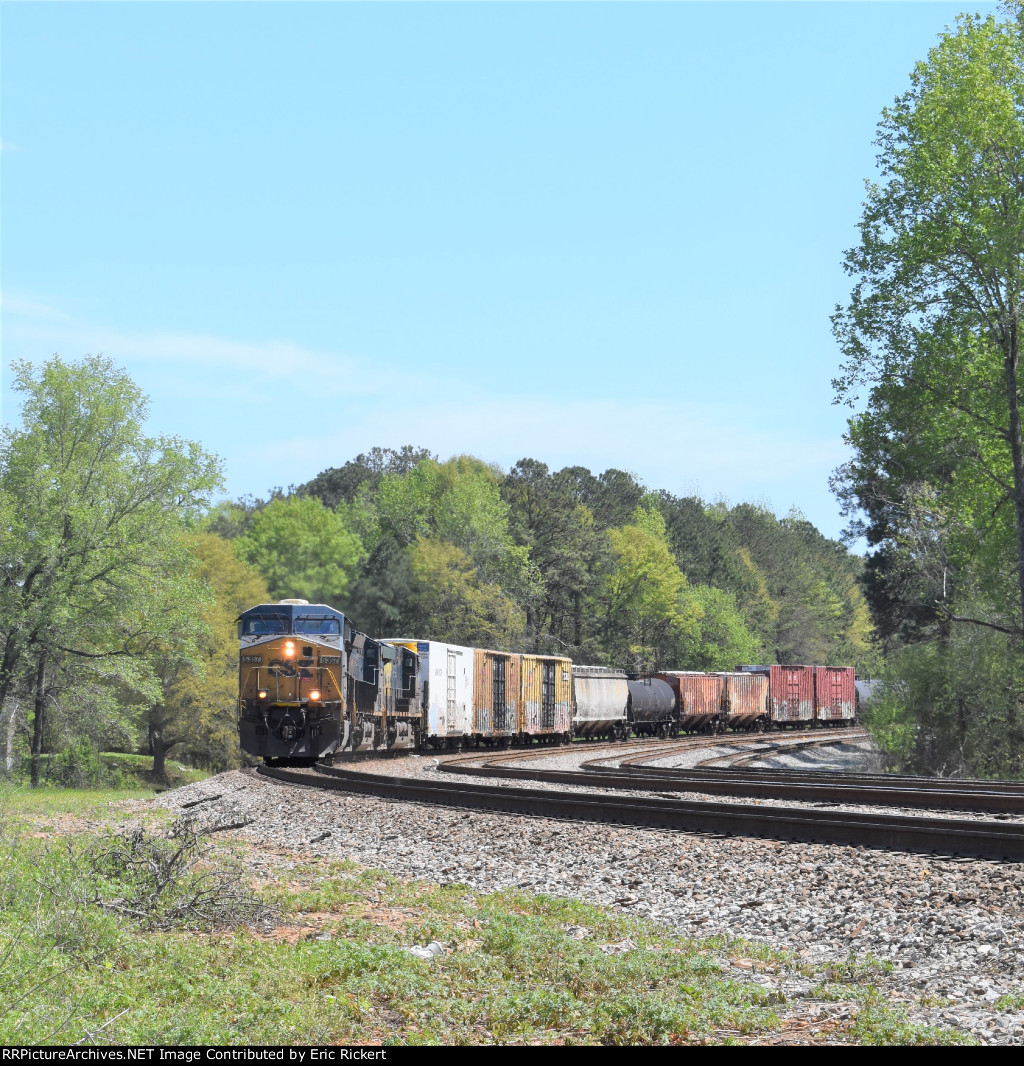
(791, 694)
(698, 697)
(835, 693)
(746, 699)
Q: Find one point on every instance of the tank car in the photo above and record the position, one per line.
(867, 691)
(652, 708)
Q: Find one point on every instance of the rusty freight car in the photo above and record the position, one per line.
(835, 694)
(496, 694)
(698, 699)
(745, 700)
(792, 695)
(545, 704)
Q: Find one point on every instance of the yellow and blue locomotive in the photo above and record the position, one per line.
(310, 684)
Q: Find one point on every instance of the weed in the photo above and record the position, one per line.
(130, 937)
(156, 879)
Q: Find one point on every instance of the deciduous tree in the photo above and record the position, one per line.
(196, 711)
(933, 326)
(302, 548)
(92, 563)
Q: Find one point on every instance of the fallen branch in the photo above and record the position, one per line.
(91, 1033)
(224, 828)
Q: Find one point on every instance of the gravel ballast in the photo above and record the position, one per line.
(954, 930)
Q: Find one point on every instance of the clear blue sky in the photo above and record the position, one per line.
(598, 234)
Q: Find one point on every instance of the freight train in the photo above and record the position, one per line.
(311, 684)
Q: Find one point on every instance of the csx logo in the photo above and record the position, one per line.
(284, 668)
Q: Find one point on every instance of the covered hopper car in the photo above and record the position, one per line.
(600, 702)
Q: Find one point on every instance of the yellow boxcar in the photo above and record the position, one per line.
(496, 693)
(545, 707)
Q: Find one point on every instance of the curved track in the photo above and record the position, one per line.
(988, 839)
(870, 789)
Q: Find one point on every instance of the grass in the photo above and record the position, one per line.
(139, 770)
(116, 772)
(332, 965)
(89, 802)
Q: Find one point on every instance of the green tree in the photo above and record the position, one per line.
(196, 711)
(340, 484)
(457, 502)
(646, 611)
(92, 564)
(933, 325)
(719, 638)
(932, 332)
(566, 550)
(452, 603)
(302, 549)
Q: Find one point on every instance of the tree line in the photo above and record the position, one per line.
(122, 576)
(931, 341)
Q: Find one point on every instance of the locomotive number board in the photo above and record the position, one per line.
(252, 658)
(330, 660)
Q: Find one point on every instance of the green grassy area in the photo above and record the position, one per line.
(138, 769)
(107, 771)
(95, 803)
(324, 957)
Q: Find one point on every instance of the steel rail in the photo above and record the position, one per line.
(758, 740)
(641, 748)
(876, 790)
(777, 748)
(754, 786)
(991, 840)
(813, 777)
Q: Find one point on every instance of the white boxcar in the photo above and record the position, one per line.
(446, 686)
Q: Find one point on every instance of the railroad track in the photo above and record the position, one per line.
(781, 748)
(989, 839)
(816, 786)
(869, 789)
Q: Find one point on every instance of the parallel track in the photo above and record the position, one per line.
(876, 790)
(992, 840)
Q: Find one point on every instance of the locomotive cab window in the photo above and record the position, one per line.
(317, 624)
(263, 625)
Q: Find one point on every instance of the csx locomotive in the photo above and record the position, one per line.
(311, 684)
